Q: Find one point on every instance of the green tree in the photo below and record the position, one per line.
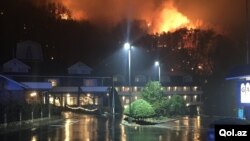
(176, 106)
(140, 109)
(161, 106)
(152, 92)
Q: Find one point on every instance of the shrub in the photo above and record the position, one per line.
(140, 109)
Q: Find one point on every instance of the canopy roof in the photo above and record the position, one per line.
(239, 72)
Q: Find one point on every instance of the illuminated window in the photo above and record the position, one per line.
(33, 94)
(88, 95)
(135, 89)
(54, 82)
(44, 100)
(70, 101)
(63, 101)
(117, 89)
(175, 88)
(96, 101)
(127, 101)
(33, 97)
(126, 89)
(87, 100)
(195, 88)
(57, 102)
(185, 97)
(51, 99)
(184, 88)
(169, 89)
(195, 98)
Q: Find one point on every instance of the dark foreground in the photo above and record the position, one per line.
(97, 128)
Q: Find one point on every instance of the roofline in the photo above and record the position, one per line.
(19, 61)
(237, 77)
(60, 76)
(20, 84)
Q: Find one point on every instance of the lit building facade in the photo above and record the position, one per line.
(84, 89)
(191, 94)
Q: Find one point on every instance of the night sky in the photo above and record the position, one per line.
(92, 31)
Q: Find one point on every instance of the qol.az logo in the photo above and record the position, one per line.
(232, 133)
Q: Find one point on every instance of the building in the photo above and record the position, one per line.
(191, 91)
(80, 88)
(29, 51)
(15, 66)
(241, 76)
(11, 90)
(79, 68)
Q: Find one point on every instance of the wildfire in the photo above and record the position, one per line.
(76, 13)
(166, 19)
(170, 19)
(64, 16)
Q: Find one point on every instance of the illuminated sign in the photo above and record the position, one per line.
(245, 92)
(241, 113)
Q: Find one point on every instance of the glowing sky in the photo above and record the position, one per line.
(219, 14)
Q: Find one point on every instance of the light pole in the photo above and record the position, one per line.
(113, 96)
(128, 47)
(157, 64)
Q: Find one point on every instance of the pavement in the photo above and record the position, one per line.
(28, 124)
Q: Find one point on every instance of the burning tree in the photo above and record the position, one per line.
(189, 50)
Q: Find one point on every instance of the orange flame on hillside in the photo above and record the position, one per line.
(170, 19)
(76, 13)
(64, 16)
(166, 19)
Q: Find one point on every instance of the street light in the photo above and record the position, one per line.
(128, 47)
(113, 96)
(157, 64)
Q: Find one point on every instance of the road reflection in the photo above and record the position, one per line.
(100, 128)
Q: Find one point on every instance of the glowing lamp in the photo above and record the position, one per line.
(157, 63)
(33, 94)
(127, 46)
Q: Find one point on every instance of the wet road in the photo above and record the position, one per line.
(92, 128)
